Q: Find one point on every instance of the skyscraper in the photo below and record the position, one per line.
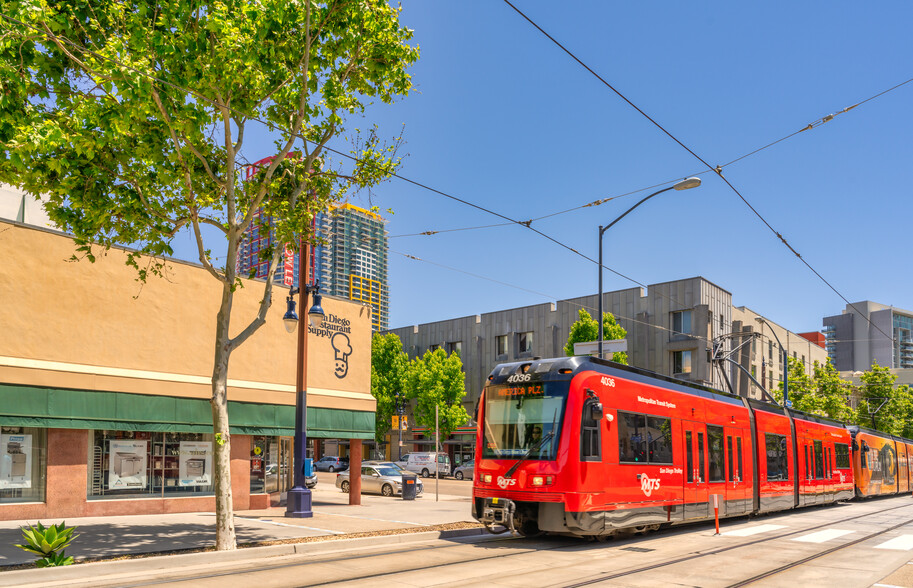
(350, 262)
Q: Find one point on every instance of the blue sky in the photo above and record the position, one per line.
(501, 117)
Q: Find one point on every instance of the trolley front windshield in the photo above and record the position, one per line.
(518, 416)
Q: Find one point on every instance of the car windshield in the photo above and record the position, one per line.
(518, 417)
(389, 471)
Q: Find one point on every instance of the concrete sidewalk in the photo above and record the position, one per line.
(107, 537)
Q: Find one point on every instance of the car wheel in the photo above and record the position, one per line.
(331, 469)
(345, 486)
(387, 490)
(425, 473)
(458, 475)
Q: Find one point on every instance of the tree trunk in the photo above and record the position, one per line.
(225, 523)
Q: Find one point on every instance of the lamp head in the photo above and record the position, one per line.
(290, 319)
(688, 183)
(316, 314)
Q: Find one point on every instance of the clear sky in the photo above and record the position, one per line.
(503, 118)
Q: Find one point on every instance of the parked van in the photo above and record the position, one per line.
(423, 463)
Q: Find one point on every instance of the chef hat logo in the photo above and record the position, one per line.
(343, 349)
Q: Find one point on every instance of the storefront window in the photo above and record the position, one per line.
(23, 464)
(139, 464)
(264, 465)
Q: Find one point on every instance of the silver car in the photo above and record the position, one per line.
(464, 470)
(380, 479)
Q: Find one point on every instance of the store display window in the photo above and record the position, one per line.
(140, 464)
(23, 464)
(264, 465)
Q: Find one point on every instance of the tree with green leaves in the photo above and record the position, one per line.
(883, 406)
(133, 120)
(437, 380)
(388, 374)
(824, 393)
(587, 329)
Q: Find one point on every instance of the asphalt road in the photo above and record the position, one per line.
(859, 544)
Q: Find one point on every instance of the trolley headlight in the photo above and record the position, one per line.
(487, 478)
(542, 480)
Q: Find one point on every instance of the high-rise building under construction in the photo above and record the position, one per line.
(350, 261)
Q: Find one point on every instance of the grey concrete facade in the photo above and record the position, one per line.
(665, 322)
(868, 332)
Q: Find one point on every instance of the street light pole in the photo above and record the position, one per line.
(685, 184)
(298, 503)
(784, 358)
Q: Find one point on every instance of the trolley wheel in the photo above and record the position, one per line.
(345, 486)
(387, 490)
(458, 475)
(425, 473)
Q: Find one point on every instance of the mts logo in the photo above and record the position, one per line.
(648, 485)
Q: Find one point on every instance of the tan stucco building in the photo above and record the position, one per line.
(105, 381)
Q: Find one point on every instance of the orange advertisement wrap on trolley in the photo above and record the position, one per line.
(875, 464)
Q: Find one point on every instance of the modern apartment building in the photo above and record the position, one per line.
(350, 261)
(674, 328)
(868, 332)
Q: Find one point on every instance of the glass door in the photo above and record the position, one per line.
(286, 459)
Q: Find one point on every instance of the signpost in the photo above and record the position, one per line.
(608, 347)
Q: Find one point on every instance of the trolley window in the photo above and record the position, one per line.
(729, 458)
(738, 441)
(644, 439)
(842, 455)
(775, 446)
(819, 461)
(517, 418)
(689, 456)
(590, 444)
(715, 453)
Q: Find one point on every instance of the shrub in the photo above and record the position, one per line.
(48, 543)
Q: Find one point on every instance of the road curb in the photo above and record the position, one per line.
(159, 566)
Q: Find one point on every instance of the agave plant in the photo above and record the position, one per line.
(48, 543)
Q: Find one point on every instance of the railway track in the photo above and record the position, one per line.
(493, 549)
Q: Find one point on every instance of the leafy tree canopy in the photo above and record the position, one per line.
(587, 329)
(133, 120)
(437, 380)
(883, 406)
(823, 393)
(388, 373)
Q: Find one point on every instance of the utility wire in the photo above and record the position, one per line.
(527, 224)
(718, 169)
(812, 125)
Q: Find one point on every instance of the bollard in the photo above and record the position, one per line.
(716, 512)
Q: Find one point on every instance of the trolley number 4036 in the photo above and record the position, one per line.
(607, 381)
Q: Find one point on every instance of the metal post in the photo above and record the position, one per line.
(437, 442)
(683, 185)
(599, 312)
(298, 503)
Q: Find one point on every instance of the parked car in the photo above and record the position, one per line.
(377, 478)
(423, 463)
(464, 470)
(389, 464)
(330, 463)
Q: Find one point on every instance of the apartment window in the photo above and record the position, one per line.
(455, 346)
(681, 322)
(770, 350)
(501, 345)
(434, 347)
(525, 342)
(722, 324)
(681, 362)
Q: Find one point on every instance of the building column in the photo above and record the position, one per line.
(355, 452)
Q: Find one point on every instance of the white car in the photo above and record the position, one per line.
(423, 463)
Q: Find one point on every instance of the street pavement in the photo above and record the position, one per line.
(107, 537)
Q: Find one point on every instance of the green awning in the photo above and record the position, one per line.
(31, 406)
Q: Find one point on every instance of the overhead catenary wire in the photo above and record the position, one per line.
(234, 110)
(810, 126)
(527, 223)
(718, 169)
